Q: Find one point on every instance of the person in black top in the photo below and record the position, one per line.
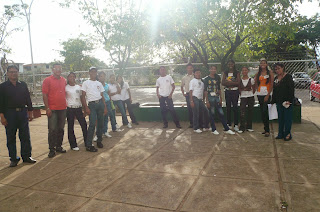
(14, 97)
(283, 96)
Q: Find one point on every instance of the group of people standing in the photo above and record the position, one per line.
(203, 97)
(64, 99)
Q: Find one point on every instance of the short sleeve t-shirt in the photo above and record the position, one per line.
(197, 87)
(124, 91)
(56, 92)
(105, 93)
(185, 81)
(113, 89)
(93, 90)
(73, 94)
(246, 94)
(212, 85)
(165, 85)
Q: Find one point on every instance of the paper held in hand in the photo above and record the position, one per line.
(273, 113)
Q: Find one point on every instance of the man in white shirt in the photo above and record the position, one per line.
(196, 87)
(93, 90)
(185, 81)
(165, 87)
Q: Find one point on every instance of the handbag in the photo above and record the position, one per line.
(272, 110)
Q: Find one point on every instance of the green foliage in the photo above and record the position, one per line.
(76, 54)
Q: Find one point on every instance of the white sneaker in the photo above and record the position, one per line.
(75, 148)
(250, 130)
(197, 131)
(240, 131)
(118, 130)
(215, 132)
(129, 126)
(107, 135)
(95, 138)
(236, 128)
(230, 132)
(230, 127)
(117, 126)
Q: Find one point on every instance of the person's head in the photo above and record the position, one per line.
(93, 73)
(71, 78)
(112, 79)
(245, 71)
(102, 77)
(190, 68)
(197, 73)
(231, 65)
(13, 72)
(263, 64)
(162, 71)
(120, 80)
(57, 69)
(279, 68)
(213, 70)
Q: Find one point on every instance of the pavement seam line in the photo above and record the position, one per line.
(125, 174)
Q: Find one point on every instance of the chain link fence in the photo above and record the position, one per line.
(142, 79)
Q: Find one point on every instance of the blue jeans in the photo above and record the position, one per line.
(215, 104)
(284, 120)
(96, 115)
(18, 120)
(166, 104)
(119, 104)
(106, 117)
(199, 110)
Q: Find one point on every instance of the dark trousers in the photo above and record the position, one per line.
(189, 109)
(232, 97)
(120, 106)
(264, 112)
(96, 115)
(199, 110)
(215, 104)
(246, 123)
(130, 110)
(56, 128)
(73, 113)
(166, 104)
(284, 120)
(18, 120)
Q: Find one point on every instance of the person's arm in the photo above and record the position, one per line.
(105, 111)
(129, 92)
(206, 99)
(266, 98)
(173, 87)
(158, 92)
(224, 81)
(253, 86)
(46, 104)
(84, 103)
(114, 93)
(256, 80)
(2, 107)
(191, 98)
(182, 87)
(29, 104)
(290, 86)
(235, 83)
(118, 89)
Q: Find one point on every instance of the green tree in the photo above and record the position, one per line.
(76, 54)
(119, 25)
(215, 30)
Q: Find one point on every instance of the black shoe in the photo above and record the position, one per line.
(267, 134)
(99, 145)
(165, 126)
(190, 126)
(279, 137)
(263, 133)
(178, 126)
(29, 160)
(61, 150)
(91, 149)
(14, 163)
(51, 154)
(288, 138)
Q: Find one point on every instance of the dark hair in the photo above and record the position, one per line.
(245, 67)
(235, 72)
(211, 66)
(122, 83)
(100, 73)
(56, 64)
(71, 73)
(197, 69)
(189, 64)
(162, 67)
(259, 73)
(280, 65)
(12, 66)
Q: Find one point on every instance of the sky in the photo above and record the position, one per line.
(51, 24)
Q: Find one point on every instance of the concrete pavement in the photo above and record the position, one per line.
(150, 169)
